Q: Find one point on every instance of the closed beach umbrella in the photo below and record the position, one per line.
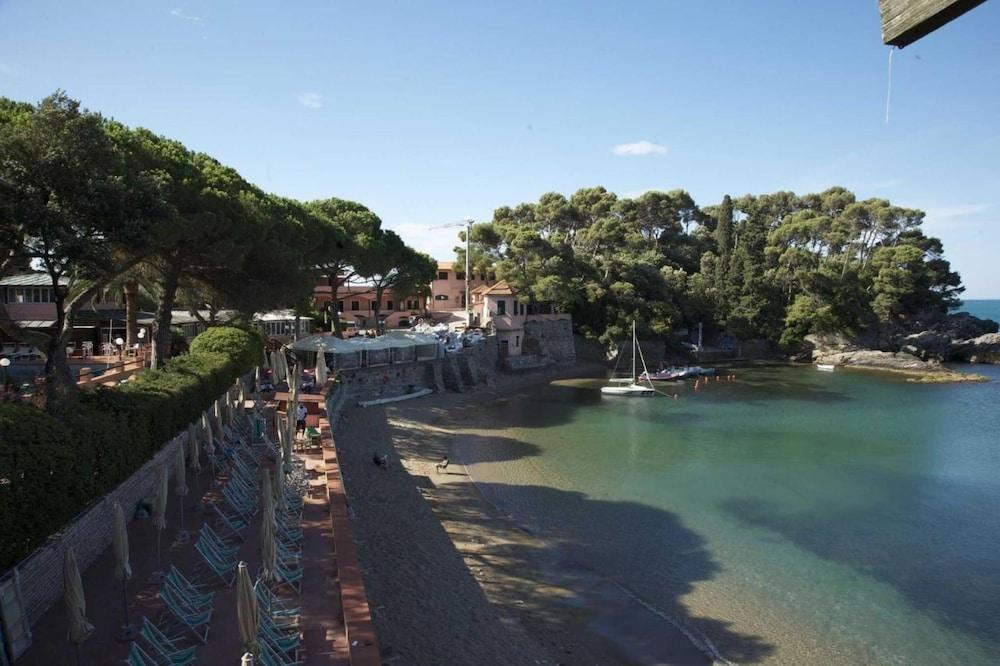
(180, 487)
(320, 368)
(162, 490)
(256, 379)
(78, 629)
(267, 530)
(267, 363)
(123, 570)
(160, 513)
(279, 490)
(195, 449)
(246, 609)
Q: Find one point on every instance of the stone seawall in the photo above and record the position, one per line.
(552, 339)
(459, 372)
(89, 534)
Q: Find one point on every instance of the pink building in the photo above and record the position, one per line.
(448, 288)
(497, 307)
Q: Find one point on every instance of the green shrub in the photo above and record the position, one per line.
(241, 345)
(51, 469)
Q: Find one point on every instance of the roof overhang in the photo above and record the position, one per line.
(906, 21)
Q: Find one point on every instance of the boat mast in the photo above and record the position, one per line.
(633, 351)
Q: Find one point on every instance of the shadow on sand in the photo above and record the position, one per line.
(503, 593)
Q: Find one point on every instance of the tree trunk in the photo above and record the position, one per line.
(161, 338)
(60, 387)
(334, 282)
(131, 289)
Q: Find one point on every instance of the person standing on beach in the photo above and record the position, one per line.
(300, 420)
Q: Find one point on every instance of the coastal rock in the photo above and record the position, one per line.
(819, 345)
(963, 326)
(928, 344)
(867, 358)
(983, 349)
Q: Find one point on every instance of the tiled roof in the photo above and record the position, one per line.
(501, 288)
(30, 280)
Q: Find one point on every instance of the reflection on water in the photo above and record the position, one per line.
(850, 518)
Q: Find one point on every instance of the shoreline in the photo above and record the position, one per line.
(533, 602)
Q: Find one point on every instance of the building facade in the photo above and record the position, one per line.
(448, 288)
(355, 305)
(497, 308)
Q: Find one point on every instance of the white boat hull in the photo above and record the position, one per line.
(630, 390)
(826, 367)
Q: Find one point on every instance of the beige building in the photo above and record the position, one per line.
(448, 288)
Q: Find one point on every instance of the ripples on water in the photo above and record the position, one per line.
(791, 516)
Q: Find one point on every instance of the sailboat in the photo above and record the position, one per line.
(629, 386)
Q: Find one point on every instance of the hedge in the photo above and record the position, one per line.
(53, 468)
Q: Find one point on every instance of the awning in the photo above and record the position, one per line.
(36, 323)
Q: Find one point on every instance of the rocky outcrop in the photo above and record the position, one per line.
(903, 363)
(983, 349)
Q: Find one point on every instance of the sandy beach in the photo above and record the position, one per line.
(450, 578)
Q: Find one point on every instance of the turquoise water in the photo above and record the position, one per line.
(985, 309)
(790, 516)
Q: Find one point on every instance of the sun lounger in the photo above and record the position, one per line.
(195, 621)
(139, 657)
(187, 588)
(234, 524)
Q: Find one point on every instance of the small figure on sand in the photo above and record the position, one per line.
(380, 460)
(300, 420)
(441, 466)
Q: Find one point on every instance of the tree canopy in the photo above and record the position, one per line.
(775, 266)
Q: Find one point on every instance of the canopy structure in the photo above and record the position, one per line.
(906, 21)
(394, 347)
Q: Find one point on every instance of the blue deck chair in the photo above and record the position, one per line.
(190, 589)
(196, 622)
(233, 523)
(226, 571)
(139, 657)
(167, 648)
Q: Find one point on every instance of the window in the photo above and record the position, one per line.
(441, 297)
(32, 295)
(459, 276)
(442, 275)
(355, 306)
(514, 309)
(502, 306)
(517, 340)
(412, 305)
(388, 305)
(340, 306)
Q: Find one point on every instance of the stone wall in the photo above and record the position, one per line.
(89, 534)
(460, 371)
(551, 338)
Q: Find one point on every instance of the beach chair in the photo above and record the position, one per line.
(220, 544)
(196, 622)
(167, 648)
(226, 571)
(194, 603)
(269, 657)
(289, 576)
(222, 557)
(234, 524)
(139, 657)
(187, 588)
(273, 605)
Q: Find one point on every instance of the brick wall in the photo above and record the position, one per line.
(89, 534)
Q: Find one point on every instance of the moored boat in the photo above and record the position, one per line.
(631, 386)
(826, 367)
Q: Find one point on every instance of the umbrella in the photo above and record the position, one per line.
(195, 450)
(123, 570)
(160, 514)
(247, 614)
(256, 378)
(278, 366)
(279, 489)
(267, 363)
(79, 628)
(320, 369)
(247, 659)
(293, 405)
(267, 529)
(180, 486)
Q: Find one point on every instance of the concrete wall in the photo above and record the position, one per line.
(89, 534)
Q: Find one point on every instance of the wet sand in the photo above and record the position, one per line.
(451, 579)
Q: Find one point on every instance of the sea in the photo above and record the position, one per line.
(782, 515)
(984, 309)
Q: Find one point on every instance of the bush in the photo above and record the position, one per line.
(243, 346)
(51, 469)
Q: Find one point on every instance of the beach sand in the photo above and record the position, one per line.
(451, 579)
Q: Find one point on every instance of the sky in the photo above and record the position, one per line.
(428, 112)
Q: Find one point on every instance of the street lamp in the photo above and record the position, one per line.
(4, 363)
(119, 342)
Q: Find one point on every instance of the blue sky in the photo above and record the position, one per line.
(431, 111)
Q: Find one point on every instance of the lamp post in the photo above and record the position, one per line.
(468, 295)
(4, 363)
(119, 342)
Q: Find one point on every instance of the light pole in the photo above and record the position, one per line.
(468, 295)
(4, 363)
(119, 342)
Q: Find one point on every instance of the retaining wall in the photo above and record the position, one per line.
(88, 534)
